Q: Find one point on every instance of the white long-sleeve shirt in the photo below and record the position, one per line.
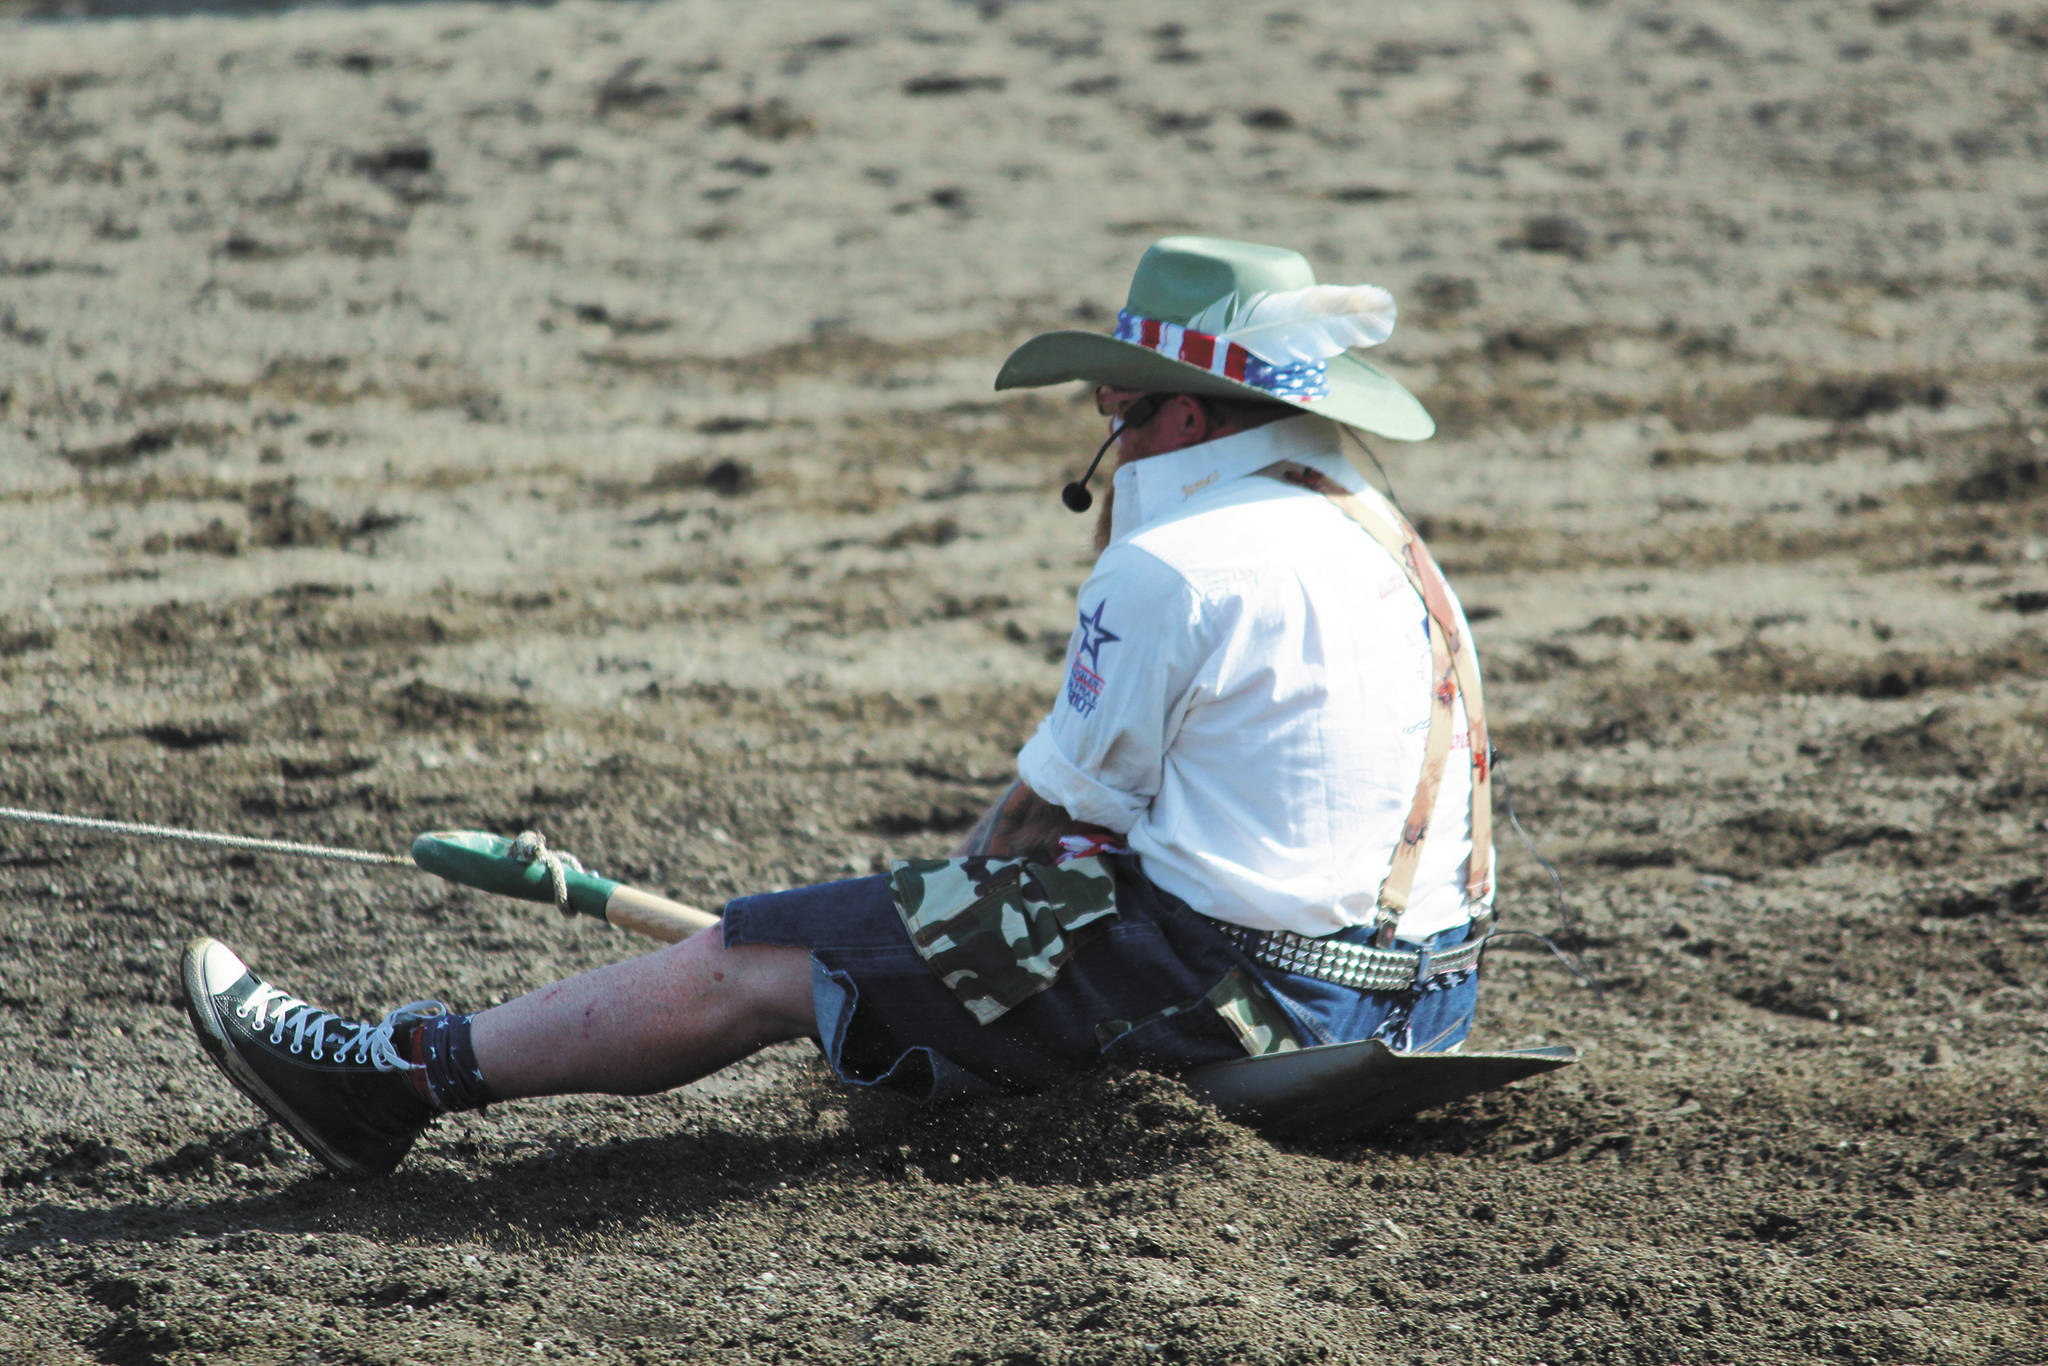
(1247, 695)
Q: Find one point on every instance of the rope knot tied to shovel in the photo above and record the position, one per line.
(531, 847)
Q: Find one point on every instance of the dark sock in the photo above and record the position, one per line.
(448, 1075)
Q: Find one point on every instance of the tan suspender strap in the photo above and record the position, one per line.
(1454, 673)
(1436, 752)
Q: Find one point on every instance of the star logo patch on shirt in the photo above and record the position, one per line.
(1084, 683)
(1094, 635)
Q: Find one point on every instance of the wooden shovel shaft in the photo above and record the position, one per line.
(657, 917)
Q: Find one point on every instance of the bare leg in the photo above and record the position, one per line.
(648, 1023)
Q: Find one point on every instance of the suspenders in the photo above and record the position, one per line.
(1454, 672)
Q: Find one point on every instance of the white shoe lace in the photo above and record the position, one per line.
(371, 1042)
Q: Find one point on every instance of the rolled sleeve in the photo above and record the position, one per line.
(1137, 648)
(1058, 779)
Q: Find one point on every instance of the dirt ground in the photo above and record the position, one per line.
(578, 418)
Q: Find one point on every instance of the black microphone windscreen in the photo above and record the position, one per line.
(1077, 497)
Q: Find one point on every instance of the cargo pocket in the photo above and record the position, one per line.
(1236, 1010)
(997, 931)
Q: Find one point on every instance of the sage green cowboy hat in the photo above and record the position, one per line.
(1201, 319)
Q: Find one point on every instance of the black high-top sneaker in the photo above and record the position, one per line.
(340, 1087)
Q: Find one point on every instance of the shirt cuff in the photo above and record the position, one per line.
(1057, 779)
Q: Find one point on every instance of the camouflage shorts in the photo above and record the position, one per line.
(998, 931)
(951, 979)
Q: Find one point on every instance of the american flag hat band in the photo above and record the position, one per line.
(1299, 383)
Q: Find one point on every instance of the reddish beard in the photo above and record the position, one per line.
(1102, 517)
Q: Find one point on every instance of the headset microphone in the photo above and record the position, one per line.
(1076, 495)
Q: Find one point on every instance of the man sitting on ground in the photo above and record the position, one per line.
(1255, 819)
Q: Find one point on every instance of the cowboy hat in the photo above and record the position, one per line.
(1236, 320)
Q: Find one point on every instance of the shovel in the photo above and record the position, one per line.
(1328, 1092)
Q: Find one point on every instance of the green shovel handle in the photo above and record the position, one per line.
(476, 859)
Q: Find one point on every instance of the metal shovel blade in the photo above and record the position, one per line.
(1336, 1090)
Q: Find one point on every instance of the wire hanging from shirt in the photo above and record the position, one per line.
(1373, 456)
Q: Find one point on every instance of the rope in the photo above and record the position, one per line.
(532, 847)
(167, 832)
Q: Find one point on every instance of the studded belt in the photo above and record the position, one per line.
(1351, 965)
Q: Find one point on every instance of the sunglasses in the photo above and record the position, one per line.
(1135, 412)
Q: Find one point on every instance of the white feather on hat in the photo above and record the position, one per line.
(1297, 325)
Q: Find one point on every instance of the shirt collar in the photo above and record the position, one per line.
(1160, 485)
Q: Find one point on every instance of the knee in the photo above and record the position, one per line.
(762, 989)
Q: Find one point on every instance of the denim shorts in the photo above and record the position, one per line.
(1433, 1019)
(1136, 994)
